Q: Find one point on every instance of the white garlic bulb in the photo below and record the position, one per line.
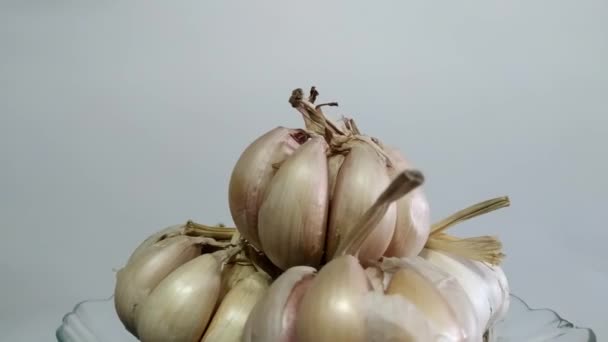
(294, 194)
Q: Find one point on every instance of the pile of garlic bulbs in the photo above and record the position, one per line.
(333, 242)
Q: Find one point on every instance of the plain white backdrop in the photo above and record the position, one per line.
(119, 118)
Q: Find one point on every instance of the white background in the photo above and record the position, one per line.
(118, 118)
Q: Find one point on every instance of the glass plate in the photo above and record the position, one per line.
(96, 321)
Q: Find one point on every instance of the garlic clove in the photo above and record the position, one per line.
(138, 278)
(252, 173)
(413, 214)
(180, 307)
(413, 286)
(293, 216)
(229, 320)
(272, 317)
(362, 178)
(330, 309)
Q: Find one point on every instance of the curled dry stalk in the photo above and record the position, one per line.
(483, 248)
(219, 232)
(317, 123)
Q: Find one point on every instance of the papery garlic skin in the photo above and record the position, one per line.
(498, 290)
(252, 173)
(485, 285)
(293, 215)
(229, 320)
(413, 286)
(457, 298)
(272, 317)
(330, 309)
(362, 177)
(170, 231)
(394, 318)
(137, 279)
(503, 297)
(180, 307)
(232, 274)
(413, 214)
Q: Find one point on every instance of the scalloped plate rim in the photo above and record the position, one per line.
(561, 320)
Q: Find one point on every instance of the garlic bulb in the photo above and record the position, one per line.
(295, 193)
(229, 320)
(169, 315)
(333, 242)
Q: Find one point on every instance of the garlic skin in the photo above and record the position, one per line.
(394, 318)
(498, 289)
(272, 318)
(413, 286)
(137, 279)
(449, 288)
(232, 274)
(330, 309)
(504, 290)
(362, 178)
(229, 320)
(293, 216)
(485, 285)
(180, 307)
(252, 173)
(167, 232)
(413, 214)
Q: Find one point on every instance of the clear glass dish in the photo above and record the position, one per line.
(96, 321)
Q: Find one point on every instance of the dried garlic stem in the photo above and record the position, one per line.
(221, 233)
(314, 119)
(483, 248)
(405, 182)
(470, 212)
(353, 126)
